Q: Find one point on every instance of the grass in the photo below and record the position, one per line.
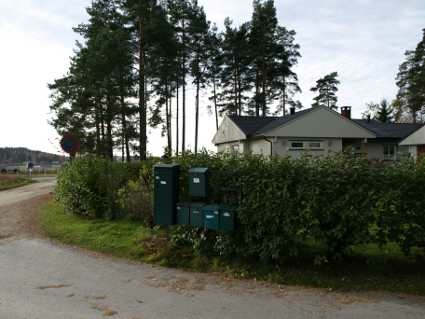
(9, 182)
(367, 268)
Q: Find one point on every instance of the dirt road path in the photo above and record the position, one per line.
(41, 280)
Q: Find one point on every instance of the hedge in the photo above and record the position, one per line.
(283, 205)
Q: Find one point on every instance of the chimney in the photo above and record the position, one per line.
(368, 118)
(346, 111)
(292, 110)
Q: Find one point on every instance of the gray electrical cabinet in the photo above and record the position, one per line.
(166, 190)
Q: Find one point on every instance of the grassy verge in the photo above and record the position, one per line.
(9, 182)
(368, 268)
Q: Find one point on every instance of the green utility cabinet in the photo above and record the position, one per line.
(227, 218)
(166, 190)
(196, 215)
(183, 214)
(211, 216)
(198, 182)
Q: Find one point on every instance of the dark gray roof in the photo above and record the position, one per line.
(254, 125)
(389, 130)
(251, 124)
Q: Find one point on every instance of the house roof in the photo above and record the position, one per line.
(282, 120)
(389, 130)
(249, 125)
(254, 125)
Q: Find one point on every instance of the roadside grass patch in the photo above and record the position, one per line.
(9, 182)
(367, 268)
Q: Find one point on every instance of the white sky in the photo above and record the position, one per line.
(364, 40)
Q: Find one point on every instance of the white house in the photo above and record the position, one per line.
(416, 143)
(317, 131)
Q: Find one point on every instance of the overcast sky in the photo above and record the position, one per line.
(364, 40)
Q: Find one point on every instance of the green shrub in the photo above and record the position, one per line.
(135, 199)
(284, 207)
(90, 186)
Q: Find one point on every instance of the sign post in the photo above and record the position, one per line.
(70, 144)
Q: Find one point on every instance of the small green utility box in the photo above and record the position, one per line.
(183, 213)
(196, 215)
(227, 218)
(198, 182)
(211, 216)
(166, 190)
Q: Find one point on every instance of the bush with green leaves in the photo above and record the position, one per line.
(91, 186)
(284, 206)
(135, 199)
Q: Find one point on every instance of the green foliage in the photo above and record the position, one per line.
(382, 112)
(326, 87)
(369, 267)
(283, 206)
(136, 197)
(411, 81)
(93, 187)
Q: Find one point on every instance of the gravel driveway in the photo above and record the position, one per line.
(39, 279)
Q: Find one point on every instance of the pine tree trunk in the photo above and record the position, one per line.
(197, 116)
(184, 92)
(235, 92)
(97, 124)
(215, 103)
(263, 94)
(102, 126)
(177, 120)
(109, 118)
(257, 94)
(125, 146)
(142, 97)
(169, 128)
(239, 93)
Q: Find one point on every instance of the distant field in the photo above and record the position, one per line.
(12, 181)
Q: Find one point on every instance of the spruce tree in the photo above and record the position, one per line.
(384, 112)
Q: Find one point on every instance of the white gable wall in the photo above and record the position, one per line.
(417, 138)
(227, 132)
(260, 147)
(321, 123)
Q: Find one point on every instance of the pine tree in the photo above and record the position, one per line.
(214, 67)
(327, 87)
(100, 79)
(234, 75)
(384, 112)
(181, 13)
(411, 80)
(200, 35)
(263, 49)
(285, 80)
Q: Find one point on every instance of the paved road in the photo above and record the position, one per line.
(41, 280)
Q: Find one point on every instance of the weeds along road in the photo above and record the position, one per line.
(39, 279)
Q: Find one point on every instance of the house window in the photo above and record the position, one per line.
(297, 145)
(310, 145)
(390, 151)
(235, 148)
(315, 145)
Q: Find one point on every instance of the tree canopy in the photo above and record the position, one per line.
(326, 89)
(137, 57)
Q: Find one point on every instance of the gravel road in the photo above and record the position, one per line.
(39, 279)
